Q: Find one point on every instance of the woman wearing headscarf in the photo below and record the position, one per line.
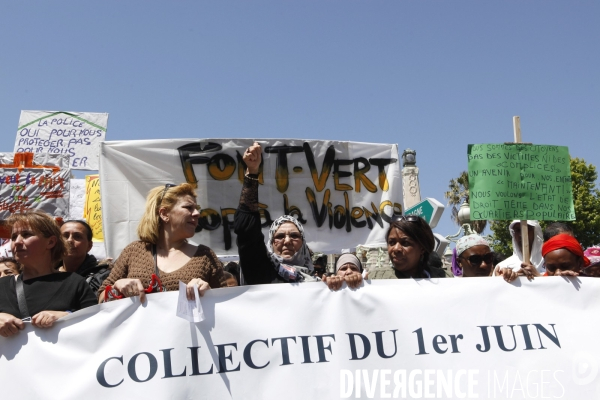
(472, 257)
(514, 265)
(163, 256)
(348, 268)
(285, 257)
(593, 270)
(564, 256)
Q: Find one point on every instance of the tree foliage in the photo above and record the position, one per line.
(459, 193)
(500, 240)
(586, 201)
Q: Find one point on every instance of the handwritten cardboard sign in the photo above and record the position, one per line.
(76, 134)
(34, 182)
(92, 209)
(520, 181)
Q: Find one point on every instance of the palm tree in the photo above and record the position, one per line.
(459, 193)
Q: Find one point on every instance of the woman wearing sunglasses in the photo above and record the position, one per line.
(39, 294)
(285, 257)
(163, 256)
(472, 257)
(410, 241)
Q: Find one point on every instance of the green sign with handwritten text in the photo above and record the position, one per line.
(520, 181)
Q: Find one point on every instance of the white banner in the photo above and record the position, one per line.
(76, 134)
(343, 192)
(448, 338)
(34, 182)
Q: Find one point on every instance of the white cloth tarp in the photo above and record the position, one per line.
(355, 187)
(303, 341)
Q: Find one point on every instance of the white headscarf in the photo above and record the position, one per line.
(536, 258)
(297, 268)
(348, 258)
(463, 244)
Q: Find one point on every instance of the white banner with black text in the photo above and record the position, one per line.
(445, 338)
(344, 193)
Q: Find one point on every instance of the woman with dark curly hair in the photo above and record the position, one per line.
(9, 266)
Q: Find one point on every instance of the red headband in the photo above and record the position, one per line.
(564, 241)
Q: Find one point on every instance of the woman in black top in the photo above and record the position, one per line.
(47, 295)
(285, 257)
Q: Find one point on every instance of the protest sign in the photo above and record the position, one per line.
(76, 134)
(34, 182)
(76, 198)
(92, 209)
(344, 193)
(280, 342)
(520, 181)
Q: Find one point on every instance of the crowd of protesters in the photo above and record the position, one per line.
(52, 273)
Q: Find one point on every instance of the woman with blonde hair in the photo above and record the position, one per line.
(39, 294)
(163, 256)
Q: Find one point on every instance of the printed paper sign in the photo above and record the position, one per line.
(76, 134)
(34, 182)
(190, 310)
(520, 181)
(344, 193)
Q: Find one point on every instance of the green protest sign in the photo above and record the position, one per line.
(520, 181)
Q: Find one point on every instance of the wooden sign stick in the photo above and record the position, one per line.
(524, 228)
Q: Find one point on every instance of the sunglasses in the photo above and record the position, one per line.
(409, 218)
(476, 259)
(167, 186)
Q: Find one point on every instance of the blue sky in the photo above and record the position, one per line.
(433, 76)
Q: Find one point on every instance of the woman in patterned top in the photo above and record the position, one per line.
(163, 257)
